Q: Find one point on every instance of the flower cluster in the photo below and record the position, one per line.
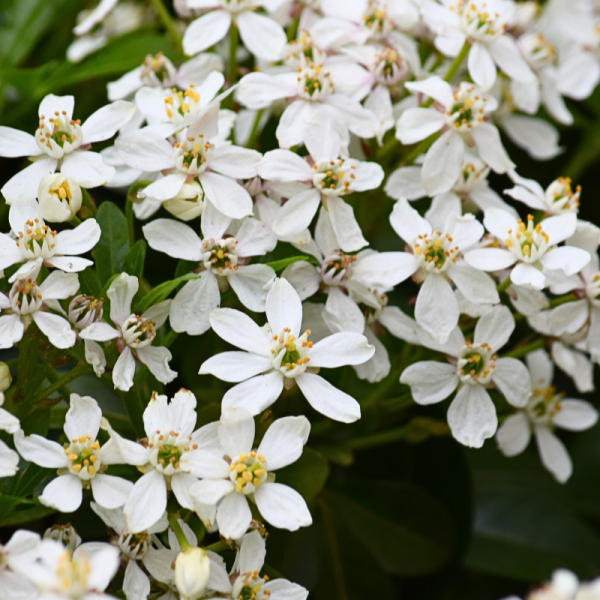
(329, 204)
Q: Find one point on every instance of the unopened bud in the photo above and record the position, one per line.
(192, 571)
(59, 197)
(85, 310)
(5, 377)
(189, 202)
(65, 534)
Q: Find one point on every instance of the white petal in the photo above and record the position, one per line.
(490, 147)
(490, 259)
(124, 370)
(575, 415)
(505, 52)
(79, 240)
(575, 364)
(15, 143)
(9, 461)
(57, 329)
(436, 309)
(147, 502)
(261, 35)
(228, 197)
(165, 188)
(240, 330)
(235, 162)
(233, 516)
(211, 491)
(206, 31)
(255, 394)
(259, 90)
(252, 553)
(235, 366)
(344, 348)
(481, 66)
(553, 454)
(526, 274)
(290, 131)
(514, 434)
(8, 422)
(282, 506)
(434, 87)
(513, 380)
(106, 121)
(157, 359)
(236, 431)
(399, 324)
(87, 168)
(495, 327)
(282, 588)
(126, 85)
(465, 230)
(472, 416)
(173, 238)
(443, 163)
(51, 103)
(475, 285)
(121, 293)
(83, 417)
(39, 450)
(58, 285)
(145, 149)
(63, 494)
(11, 330)
(347, 229)
(136, 585)
(405, 183)
(283, 443)
(536, 136)
(26, 182)
(101, 332)
(327, 399)
(250, 283)
(342, 314)
(192, 306)
(407, 222)
(91, 19)
(416, 124)
(304, 277)
(110, 491)
(284, 308)
(566, 258)
(297, 213)
(283, 165)
(430, 381)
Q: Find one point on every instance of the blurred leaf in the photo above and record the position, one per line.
(37, 422)
(26, 515)
(185, 266)
(134, 262)
(338, 453)
(161, 292)
(585, 154)
(9, 503)
(307, 475)
(112, 249)
(30, 478)
(279, 265)
(405, 527)
(525, 534)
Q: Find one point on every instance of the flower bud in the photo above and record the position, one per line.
(59, 197)
(189, 202)
(5, 377)
(65, 534)
(85, 310)
(192, 571)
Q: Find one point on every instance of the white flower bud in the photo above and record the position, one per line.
(59, 197)
(192, 571)
(188, 204)
(65, 534)
(5, 377)
(85, 310)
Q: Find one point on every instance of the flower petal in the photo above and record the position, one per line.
(192, 306)
(553, 454)
(282, 506)
(206, 31)
(255, 394)
(228, 197)
(575, 415)
(109, 491)
(284, 309)
(106, 121)
(430, 381)
(327, 399)
(57, 329)
(344, 348)
(436, 309)
(240, 330)
(87, 168)
(261, 35)
(513, 380)
(472, 416)
(284, 441)
(514, 434)
(234, 516)
(63, 494)
(147, 502)
(443, 163)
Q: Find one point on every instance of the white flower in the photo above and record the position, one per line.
(327, 180)
(263, 36)
(277, 355)
(26, 302)
(483, 23)
(192, 572)
(80, 463)
(169, 460)
(242, 472)
(476, 366)
(250, 583)
(59, 198)
(532, 247)
(545, 410)
(434, 260)
(557, 199)
(18, 554)
(223, 258)
(60, 143)
(319, 116)
(462, 118)
(9, 461)
(134, 547)
(194, 156)
(37, 243)
(80, 575)
(134, 334)
(159, 72)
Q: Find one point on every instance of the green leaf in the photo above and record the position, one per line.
(90, 283)
(279, 265)
(405, 527)
(112, 249)
(307, 475)
(9, 503)
(184, 267)
(524, 534)
(19, 517)
(161, 292)
(134, 262)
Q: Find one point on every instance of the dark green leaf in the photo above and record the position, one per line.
(162, 291)
(90, 283)
(134, 262)
(112, 249)
(405, 527)
(307, 475)
(184, 267)
(19, 517)
(524, 534)
(9, 503)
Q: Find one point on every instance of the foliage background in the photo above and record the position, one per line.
(401, 510)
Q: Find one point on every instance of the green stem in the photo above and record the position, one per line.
(218, 547)
(254, 133)
(169, 338)
(563, 300)
(165, 16)
(292, 31)
(421, 147)
(130, 222)
(458, 61)
(521, 351)
(64, 390)
(64, 380)
(75, 220)
(176, 527)
(232, 67)
(502, 287)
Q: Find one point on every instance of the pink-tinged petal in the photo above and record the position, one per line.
(15, 143)
(327, 399)
(443, 163)
(63, 494)
(255, 394)
(282, 506)
(430, 381)
(416, 124)
(490, 259)
(472, 416)
(234, 516)
(514, 434)
(261, 35)
(206, 31)
(147, 502)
